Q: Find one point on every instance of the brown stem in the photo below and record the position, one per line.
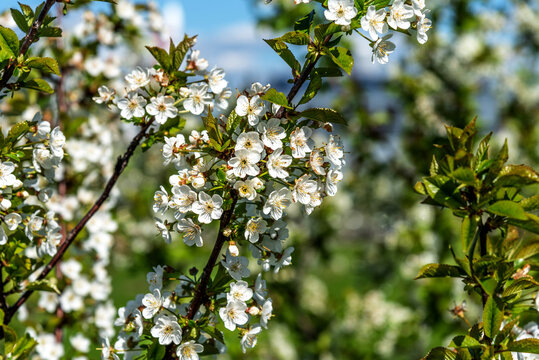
(27, 41)
(298, 82)
(118, 169)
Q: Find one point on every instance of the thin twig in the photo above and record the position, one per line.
(118, 169)
(298, 82)
(27, 41)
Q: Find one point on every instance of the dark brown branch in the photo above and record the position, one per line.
(27, 41)
(298, 82)
(118, 169)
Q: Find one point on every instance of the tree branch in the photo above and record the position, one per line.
(118, 169)
(298, 82)
(27, 41)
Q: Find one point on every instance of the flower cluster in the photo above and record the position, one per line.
(269, 165)
(401, 15)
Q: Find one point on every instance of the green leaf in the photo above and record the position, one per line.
(519, 285)
(531, 203)
(38, 84)
(439, 270)
(156, 351)
(210, 123)
(524, 346)
(509, 209)
(328, 71)
(441, 353)
(517, 175)
(27, 10)
(304, 24)
(527, 250)
(46, 64)
(23, 347)
(276, 97)
(50, 31)
(296, 38)
(214, 333)
(464, 341)
(467, 231)
(531, 224)
(464, 175)
(312, 89)
(323, 115)
(161, 56)
(282, 50)
(10, 338)
(492, 316)
(233, 121)
(16, 131)
(43, 285)
(177, 56)
(443, 190)
(505, 332)
(20, 20)
(9, 44)
(343, 58)
(489, 285)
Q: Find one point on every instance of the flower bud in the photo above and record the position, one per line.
(233, 248)
(253, 311)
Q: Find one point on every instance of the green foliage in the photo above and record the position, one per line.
(171, 61)
(487, 194)
(276, 97)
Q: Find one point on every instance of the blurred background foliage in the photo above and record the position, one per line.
(350, 293)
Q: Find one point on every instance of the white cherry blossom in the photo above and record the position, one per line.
(244, 163)
(162, 107)
(192, 233)
(400, 15)
(374, 22)
(341, 11)
(278, 201)
(132, 106)
(208, 208)
(234, 314)
(167, 329)
(189, 350)
(272, 133)
(252, 108)
(301, 142)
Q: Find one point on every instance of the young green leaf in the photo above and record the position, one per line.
(45, 64)
(440, 270)
(296, 38)
(9, 43)
(525, 346)
(21, 21)
(304, 24)
(492, 316)
(276, 97)
(43, 285)
(509, 209)
(38, 84)
(343, 58)
(161, 56)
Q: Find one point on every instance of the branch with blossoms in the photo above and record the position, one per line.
(244, 170)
